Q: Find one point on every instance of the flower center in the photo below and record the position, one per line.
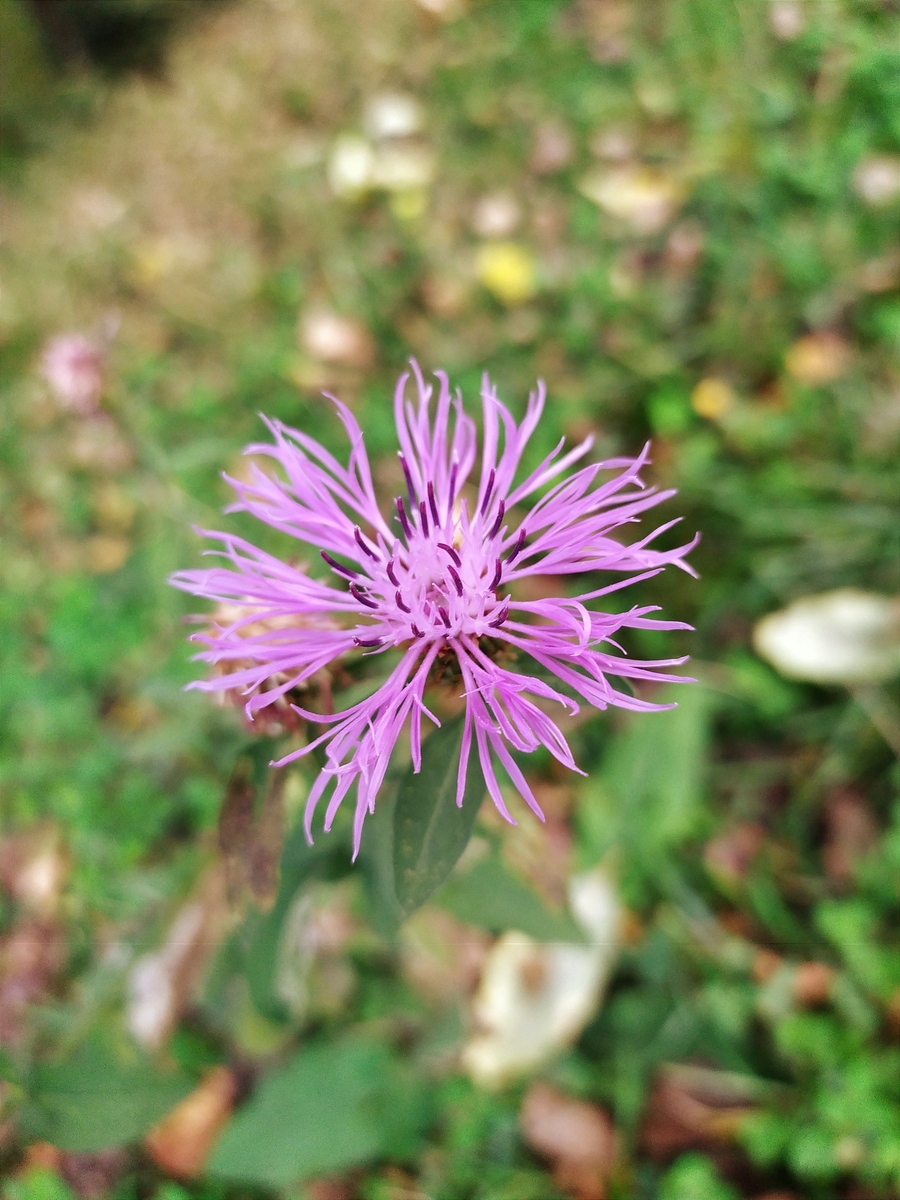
(442, 579)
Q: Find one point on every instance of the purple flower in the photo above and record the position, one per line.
(434, 582)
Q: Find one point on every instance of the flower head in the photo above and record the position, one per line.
(434, 581)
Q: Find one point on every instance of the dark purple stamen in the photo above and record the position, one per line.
(400, 603)
(432, 504)
(500, 618)
(517, 548)
(495, 582)
(501, 509)
(451, 552)
(457, 582)
(452, 493)
(357, 591)
(423, 518)
(370, 645)
(391, 573)
(404, 519)
(416, 631)
(488, 492)
(339, 567)
(362, 545)
(444, 615)
(409, 482)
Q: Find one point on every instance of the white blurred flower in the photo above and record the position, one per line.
(355, 166)
(644, 197)
(876, 179)
(331, 338)
(847, 637)
(787, 20)
(536, 997)
(444, 10)
(496, 215)
(351, 166)
(402, 168)
(393, 115)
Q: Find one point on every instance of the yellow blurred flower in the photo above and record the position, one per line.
(711, 398)
(818, 358)
(508, 271)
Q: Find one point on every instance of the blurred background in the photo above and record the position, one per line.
(683, 216)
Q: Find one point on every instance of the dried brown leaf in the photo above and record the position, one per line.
(577, 1138)
(182, 1141)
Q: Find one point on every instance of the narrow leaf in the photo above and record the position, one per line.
(430, 831)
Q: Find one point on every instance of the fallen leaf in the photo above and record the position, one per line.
(812, 983)
(765, 964)
(32, 955)
(535, 997)
(578, 1139)
(695, 1108)
(33, 869)
(93, 1176)
(161, 983)
(851, 832)
(182, 1141)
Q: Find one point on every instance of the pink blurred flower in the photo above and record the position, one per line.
(432, 582)
(72, 365)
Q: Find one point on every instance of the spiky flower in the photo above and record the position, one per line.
(434, 583)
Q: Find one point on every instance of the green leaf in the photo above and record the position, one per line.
(333, 1106)
(693, 1177)
(493, 898)
(430, 831)
(648, 796)
(95, 1100)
